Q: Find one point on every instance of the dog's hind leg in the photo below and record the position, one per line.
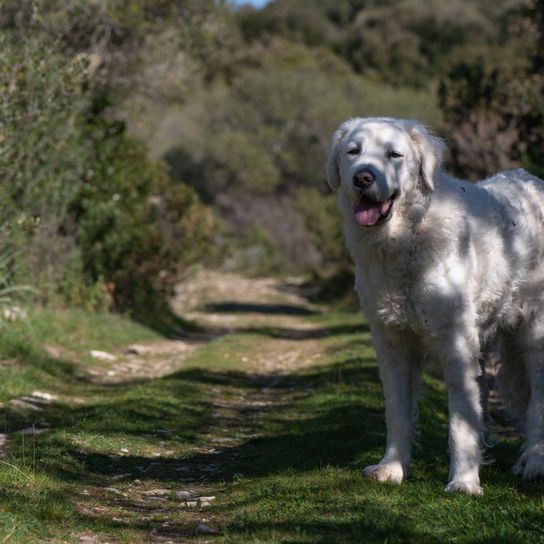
(531, 338)
(487, 361)
(513, 385)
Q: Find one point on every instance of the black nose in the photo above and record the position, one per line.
(363, 178)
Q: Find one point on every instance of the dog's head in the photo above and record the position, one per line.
(379, 163)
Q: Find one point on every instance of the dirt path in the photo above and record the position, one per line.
(221, 305)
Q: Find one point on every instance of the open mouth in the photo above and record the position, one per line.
(370, 213)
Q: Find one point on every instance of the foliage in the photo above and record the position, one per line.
(255, 143)
(44, 152)
(99, 223)
(400, 42)
(325, 225)
(492, 101)
(90, 216)
(135, 227)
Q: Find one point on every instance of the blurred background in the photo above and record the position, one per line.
(142, 138)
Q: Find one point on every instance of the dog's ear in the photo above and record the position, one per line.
(431, 151)
(333, 173)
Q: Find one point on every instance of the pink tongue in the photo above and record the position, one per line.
(368, 213)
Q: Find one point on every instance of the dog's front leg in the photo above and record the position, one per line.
(400, 377)
(460, 363)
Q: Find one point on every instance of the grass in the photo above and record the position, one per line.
(290, 471)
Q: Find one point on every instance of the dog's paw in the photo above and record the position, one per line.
(385, 472)
(466, 487)
(534, 468)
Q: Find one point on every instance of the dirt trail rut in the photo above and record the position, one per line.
(221, 304)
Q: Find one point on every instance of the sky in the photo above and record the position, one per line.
(256, 3)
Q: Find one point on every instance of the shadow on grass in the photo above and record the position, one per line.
(309, 334)
(330, 417)
(267, 309)
(285, 333)
(333, 417)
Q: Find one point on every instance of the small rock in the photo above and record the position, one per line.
(205, 501)
(137, 482)
(26, 405)
(14, 313)
(183, 495)
(53, 351)
(3, 439)
(136, 349)
(44, 396)
(203, 529)
(124, 450)
(102, 355)
(157, 492)
(191, 504)
(34, 400)
(114, 490)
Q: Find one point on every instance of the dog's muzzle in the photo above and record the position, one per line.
(371, 213)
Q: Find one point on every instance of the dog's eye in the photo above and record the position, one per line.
(394, 155)
(353, 151)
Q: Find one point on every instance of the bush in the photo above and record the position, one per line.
(90, 217)
(493, 100)
(400, 42)
(136, 229)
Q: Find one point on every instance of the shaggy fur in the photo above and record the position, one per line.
(448, 270)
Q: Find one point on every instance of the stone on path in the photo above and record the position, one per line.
(102, 355)
(204, 529)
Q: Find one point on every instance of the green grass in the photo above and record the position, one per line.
(291, 475)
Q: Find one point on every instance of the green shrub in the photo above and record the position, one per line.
(493, 100)
(136, 229)
(92, 219)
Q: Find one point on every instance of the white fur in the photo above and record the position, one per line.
(457, 270)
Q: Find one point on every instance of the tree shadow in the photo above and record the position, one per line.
(341, 432)
(233, 307)
(283, 333)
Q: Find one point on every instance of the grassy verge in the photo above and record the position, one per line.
(304, 481)
(282, 453)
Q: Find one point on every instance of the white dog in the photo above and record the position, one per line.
(445, 269)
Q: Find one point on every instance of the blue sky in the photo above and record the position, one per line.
(256, 3)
